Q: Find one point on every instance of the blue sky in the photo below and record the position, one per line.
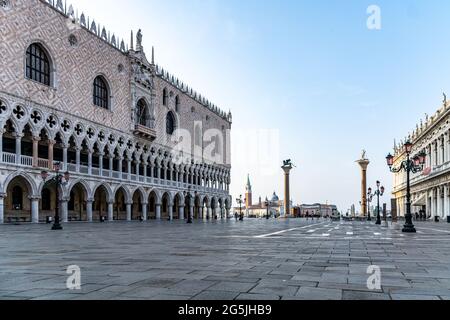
(310, 70)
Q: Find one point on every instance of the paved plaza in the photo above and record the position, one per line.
(226, 260)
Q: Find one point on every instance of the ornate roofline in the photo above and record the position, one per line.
(96, 29)
(165, 75)
(423, 128)
(85, 22)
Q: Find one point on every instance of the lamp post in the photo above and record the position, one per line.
(267, 207)
(415, 165)
(369, 201)
(379, 193)
(58, 179)
(240, 201)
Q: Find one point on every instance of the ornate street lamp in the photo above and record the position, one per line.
(268, 203)
(240, 201)
(369, 201)
(60, 180)
(379, 193)
(415, 165)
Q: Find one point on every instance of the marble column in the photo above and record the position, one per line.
(191, 212)
(158, 211)
(445, 213)
(64, 211)
(89, 210)
(111, 165)
(34, 209)
(209, 209)
(111, 211)
(100, 164)
(2, 208)
(363, 163)
(90, 162)
(18, 137)
(51, 146)
(170, 208)
(129, 207)
(145, 211)
(36, 151)
(433, 204)
(65, 149)
(145, 169)
(2, 132)
(78, 158)
(287, 193)
(181, 212)
(129, 169)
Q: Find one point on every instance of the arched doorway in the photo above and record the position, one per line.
(17, 203)
(77, 204)
(188, 201)
(100, 205)
(120, 205)
(152, 199)
(136, 212)
(165, 206)
(176, 206)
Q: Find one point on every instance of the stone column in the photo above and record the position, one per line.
(158, 211)
(120, 166)
(145, 169)
(100, 163)
(36, 151)
(2, 207)
(287, 167)
(145, 211)
(129, 208)
(34, 209)
(170, 208)
(18, 137)
(363, 163)
(64, 211)
(89, 210)
(65, 166)
(78, 158)
(2, 131)
(209, 216)
(181, 212)
(51, 145)
(191, 212)
(445, 213)
(111, 165)
(90, 162)
(111, 211)
(433, 204)
(129, 169)
(158, 171)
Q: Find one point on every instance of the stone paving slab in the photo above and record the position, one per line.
(225, 260)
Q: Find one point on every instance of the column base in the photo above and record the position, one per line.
(409, 229)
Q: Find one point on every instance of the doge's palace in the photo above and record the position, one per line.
(136, 141)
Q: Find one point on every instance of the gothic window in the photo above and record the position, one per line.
(177, 103)
(165, 97)
(143, 116)
(198, 135)
(38, 67)
(17, 198)
(100, 93)
(170, 123)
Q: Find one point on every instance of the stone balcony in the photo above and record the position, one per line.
(145, 132)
